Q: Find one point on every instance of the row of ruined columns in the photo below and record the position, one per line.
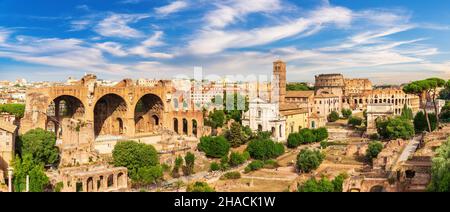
(98, 183)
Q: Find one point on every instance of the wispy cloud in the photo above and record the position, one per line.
(173, 7)
(73, 54)
(210, 41)
(113, 48)
(116, 25)
(230, 11)
(144, 50)
(79, 25)
(4, 34)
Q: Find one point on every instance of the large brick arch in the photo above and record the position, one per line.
(110, 115)
(89, 93)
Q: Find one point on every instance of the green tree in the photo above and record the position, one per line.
(35, 170)
(407, 113)
(355, 121)
(420, 88)
(420, 123)
(294, 140)
(373, 150)
(395, 128)
(214, 166)
(312, 185)
(308, 160)
(346, 113)
(308, 136)
(333, 116)
(176, 168)
(254, 165)
(189, 159)
(215, 147)
(199, 187)
(435, 84)
(235, 135)
(134, 156)
(445, 113)
(40, 144)
(17, 110)
(149, 175)
(215, 119)
(323, 185)
(264, 149)
(320, 134)
(237, 159)
(298, 86)
(440, 170)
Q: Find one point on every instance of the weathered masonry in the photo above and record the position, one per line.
(85, 111)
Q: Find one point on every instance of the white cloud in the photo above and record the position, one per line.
(228, 12)
(79, 25)
(83, 7)
(210, 41)
(116, 25)
(173, 7)
(4, 34)
(70, 54)
(112, 48)
(144, 50)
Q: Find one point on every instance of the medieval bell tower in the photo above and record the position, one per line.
(279, 72)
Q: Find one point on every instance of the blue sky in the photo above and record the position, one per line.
(388, 41)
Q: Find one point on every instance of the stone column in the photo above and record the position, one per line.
(84, 182)
(189, 127)
(180, 125)
(115, 181)
(94, 184)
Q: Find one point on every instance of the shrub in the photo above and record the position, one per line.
(214, 166)
(265, 149)
(333, 116)
(176, 168)
(231, 176)
(59, 186)
(199, 187)
(294, 140)
(374, 136)
(323, 185)
(355, 121)
(224, 165)
(237, 159)
(308, 160)
(308, 136)
(271, 164)
(148, 175)
(324, 144)
(321, 134)
(440, 174)
(346, 113)
(215, 147)
(189, 159)
(254, 165)
(373, 150)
